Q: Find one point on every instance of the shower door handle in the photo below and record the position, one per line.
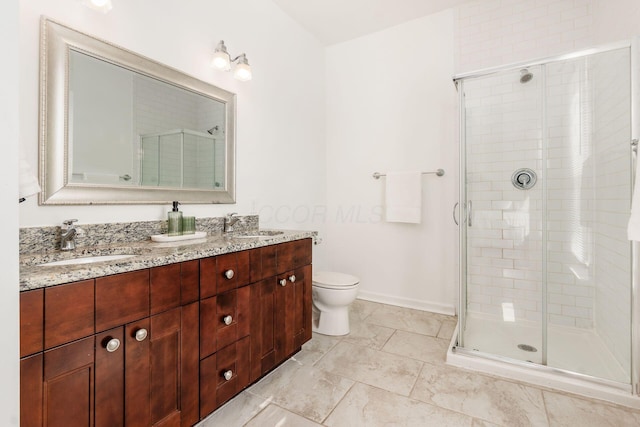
(454, 213)
(468, 213)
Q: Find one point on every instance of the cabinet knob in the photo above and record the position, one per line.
(292, 278)
(141, 334)
(227, 319)
(112, 345)
(283, 282)
(228, 375)
(229, 274)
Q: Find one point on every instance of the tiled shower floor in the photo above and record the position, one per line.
(572, 349)
(390, 370)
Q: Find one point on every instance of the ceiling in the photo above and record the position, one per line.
(335, 21)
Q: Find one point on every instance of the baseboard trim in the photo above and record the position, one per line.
(408, 303)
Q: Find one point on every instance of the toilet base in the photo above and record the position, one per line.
(333, 322)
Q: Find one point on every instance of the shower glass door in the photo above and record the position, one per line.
(546, 198)
(504, 263)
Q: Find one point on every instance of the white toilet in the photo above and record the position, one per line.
(332, 295)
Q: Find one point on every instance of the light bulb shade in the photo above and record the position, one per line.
(221, 59)
(103, 6)
(242, 70)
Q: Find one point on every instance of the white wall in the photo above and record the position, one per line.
(490, 33)
(9, 98)
(280, 113)
(391, 106)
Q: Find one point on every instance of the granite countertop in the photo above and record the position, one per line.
(146, 254)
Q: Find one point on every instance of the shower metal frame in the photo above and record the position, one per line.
(634, 385)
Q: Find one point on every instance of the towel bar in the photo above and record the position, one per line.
(438, 172)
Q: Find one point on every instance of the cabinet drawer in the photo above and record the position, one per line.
(121, 299)
(223, 273)
(31, 322)
(292, 255)
(215, 388)
(224, 319)
(263, 263)
(68, 313)
(190, 281)
(165, 284)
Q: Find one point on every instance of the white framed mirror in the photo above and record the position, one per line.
(120, 128)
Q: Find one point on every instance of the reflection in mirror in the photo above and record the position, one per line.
(130, 129)
(135, 131)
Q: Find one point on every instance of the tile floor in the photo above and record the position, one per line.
(390, 371)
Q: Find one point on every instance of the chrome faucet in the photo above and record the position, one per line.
(230, 220)
(68, 233)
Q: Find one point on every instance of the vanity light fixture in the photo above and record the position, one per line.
(103, 6)
(222, 61)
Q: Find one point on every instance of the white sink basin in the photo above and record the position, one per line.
(86, 260)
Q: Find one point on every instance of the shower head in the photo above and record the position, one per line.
(212, 130)
(525, 75)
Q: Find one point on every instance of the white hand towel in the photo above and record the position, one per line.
(27, 181)
(633, 229)
(404, 197)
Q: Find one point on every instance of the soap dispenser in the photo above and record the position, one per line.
(175, 221)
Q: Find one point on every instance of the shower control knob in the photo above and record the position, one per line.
(524, 179)
(283, 282)
(227, 319)
(229, 274)
(292, 278)
(141, 334)
(228, 375)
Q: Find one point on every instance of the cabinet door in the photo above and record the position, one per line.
(293, 311)
(109, 378)
(285, 316)
(68, 384)
(263, 345)
(161, 380)
(165, 368)
(31, 391)
(302, 319)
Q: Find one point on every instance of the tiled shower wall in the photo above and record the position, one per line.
(570, 183)
(612, 188)
(583, 109)
(504, 240)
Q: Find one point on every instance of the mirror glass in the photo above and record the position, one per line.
(121, 128)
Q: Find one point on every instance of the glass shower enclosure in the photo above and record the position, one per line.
(546, 181)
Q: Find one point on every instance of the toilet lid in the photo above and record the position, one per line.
(333, 280)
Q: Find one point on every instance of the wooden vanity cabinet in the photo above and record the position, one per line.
(281, 308)
(138, 366)
(161, 346)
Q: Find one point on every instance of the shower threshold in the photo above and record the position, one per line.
(539, 375)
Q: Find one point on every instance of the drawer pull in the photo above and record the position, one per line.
(283, 282)
(112, 345)
(228, 375)
(227, 319)
(229, 274)
(292, 278)
(141, 334)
